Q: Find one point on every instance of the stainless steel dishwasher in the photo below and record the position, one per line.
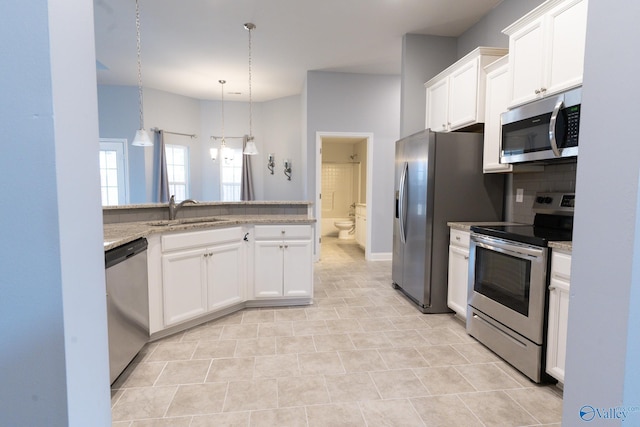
(127, 303)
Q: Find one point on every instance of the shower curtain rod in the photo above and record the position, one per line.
(190, 135)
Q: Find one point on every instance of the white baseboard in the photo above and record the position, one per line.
(380, 256)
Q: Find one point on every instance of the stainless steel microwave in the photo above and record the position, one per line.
(542, 130)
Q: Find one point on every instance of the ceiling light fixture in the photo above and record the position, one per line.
(225, 152)
(142, 137)
(250, 148)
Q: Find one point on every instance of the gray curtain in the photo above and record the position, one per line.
(160, 177)
(246, 181)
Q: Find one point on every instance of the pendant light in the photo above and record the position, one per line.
(225, 152)
(142, 137)
(250, 148)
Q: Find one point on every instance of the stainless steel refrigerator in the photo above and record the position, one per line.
(438, 178)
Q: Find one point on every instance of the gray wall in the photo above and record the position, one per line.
(488, 31)
(603, 347)
(54, 363)
(423, 57)
(344, 102)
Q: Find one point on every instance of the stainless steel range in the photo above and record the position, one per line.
(508, 281)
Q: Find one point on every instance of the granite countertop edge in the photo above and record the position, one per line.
(222, 204)
(466, 225)
(121, 233)
(567, 246)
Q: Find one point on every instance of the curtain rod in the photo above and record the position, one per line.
(190, 135)
(226, 137)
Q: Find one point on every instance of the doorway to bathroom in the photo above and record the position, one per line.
(344, 161)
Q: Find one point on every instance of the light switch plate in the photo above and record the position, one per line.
(519, 195)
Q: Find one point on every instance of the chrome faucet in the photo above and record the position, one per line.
(173, 208)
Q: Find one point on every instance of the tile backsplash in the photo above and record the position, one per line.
(555, 177)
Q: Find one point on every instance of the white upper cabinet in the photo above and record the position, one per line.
(497, 101)
(546, 50)
(455, 97)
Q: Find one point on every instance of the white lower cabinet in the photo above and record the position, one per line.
(201, 272)
(558, 313)
(458, 278)
(283, 261)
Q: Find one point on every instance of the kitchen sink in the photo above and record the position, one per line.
(184, 221)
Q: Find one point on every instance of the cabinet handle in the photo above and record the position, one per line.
(458, 238)
(537, 91)
(282, 232)
(280, 246)
(210, 253)
(552, 287)
(286, 246)
(206, 255)
(466, 257)
(544, 89)
(444, 126)
(246, 237)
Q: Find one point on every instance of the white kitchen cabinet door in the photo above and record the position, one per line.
(184, 285)
(225, 275)
(297, 268)
(497, 101)
(527, 62)
(567, 29)
(458, 279)
(558, 314)
(268, 269)
(463, 95)
(438, 106)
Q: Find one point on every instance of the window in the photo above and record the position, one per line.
(230, 176)
(113, 172)
(178, 170)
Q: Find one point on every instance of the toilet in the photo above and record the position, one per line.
(345, 229)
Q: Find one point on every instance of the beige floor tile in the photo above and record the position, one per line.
(278, 329)
(496, 408)
(251, 395)
(351, 387)
(215, 349)
(401, 383)
(441, 336)
(330, 302)
(285, 417)
(300, 391)
(444, 380)
(230, 369)
(412, 321)
(382, 311)
(352, 312)
(301, 344)
(476, 352)
(320, 363)
(160, 422)
(277, 366)
(169, 351)
(486, 376)
(139, 375)
(290, 314)
(362, 360)
(390, 413)
(333, 342)
(545, 405)
(256, 347)
(341, 325)
(321, 313)
(140, 403)
(309, 327)
(521, 378)
(206, 332)
(337, 415)
(233, 419)
(376, 324)
(198, 399)
(184, 372)
(442, 355)
(258, 316)
(403, 338)
(402, 357)
(445, 411)
(362, 340)
(229, 319)
(234, 332)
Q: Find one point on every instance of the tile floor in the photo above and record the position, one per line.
(360, 356)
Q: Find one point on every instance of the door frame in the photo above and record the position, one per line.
(318, 207)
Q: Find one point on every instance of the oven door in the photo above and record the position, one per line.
(507, 281)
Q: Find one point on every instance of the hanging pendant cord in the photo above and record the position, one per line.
(222, 82)
(249, 27)
(139, 65)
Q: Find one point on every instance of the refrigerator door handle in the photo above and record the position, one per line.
(401, 204)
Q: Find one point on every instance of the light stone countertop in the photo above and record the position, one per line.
(466, 226)
(566, 246)
(120, 233)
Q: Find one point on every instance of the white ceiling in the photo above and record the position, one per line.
(188, 45)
